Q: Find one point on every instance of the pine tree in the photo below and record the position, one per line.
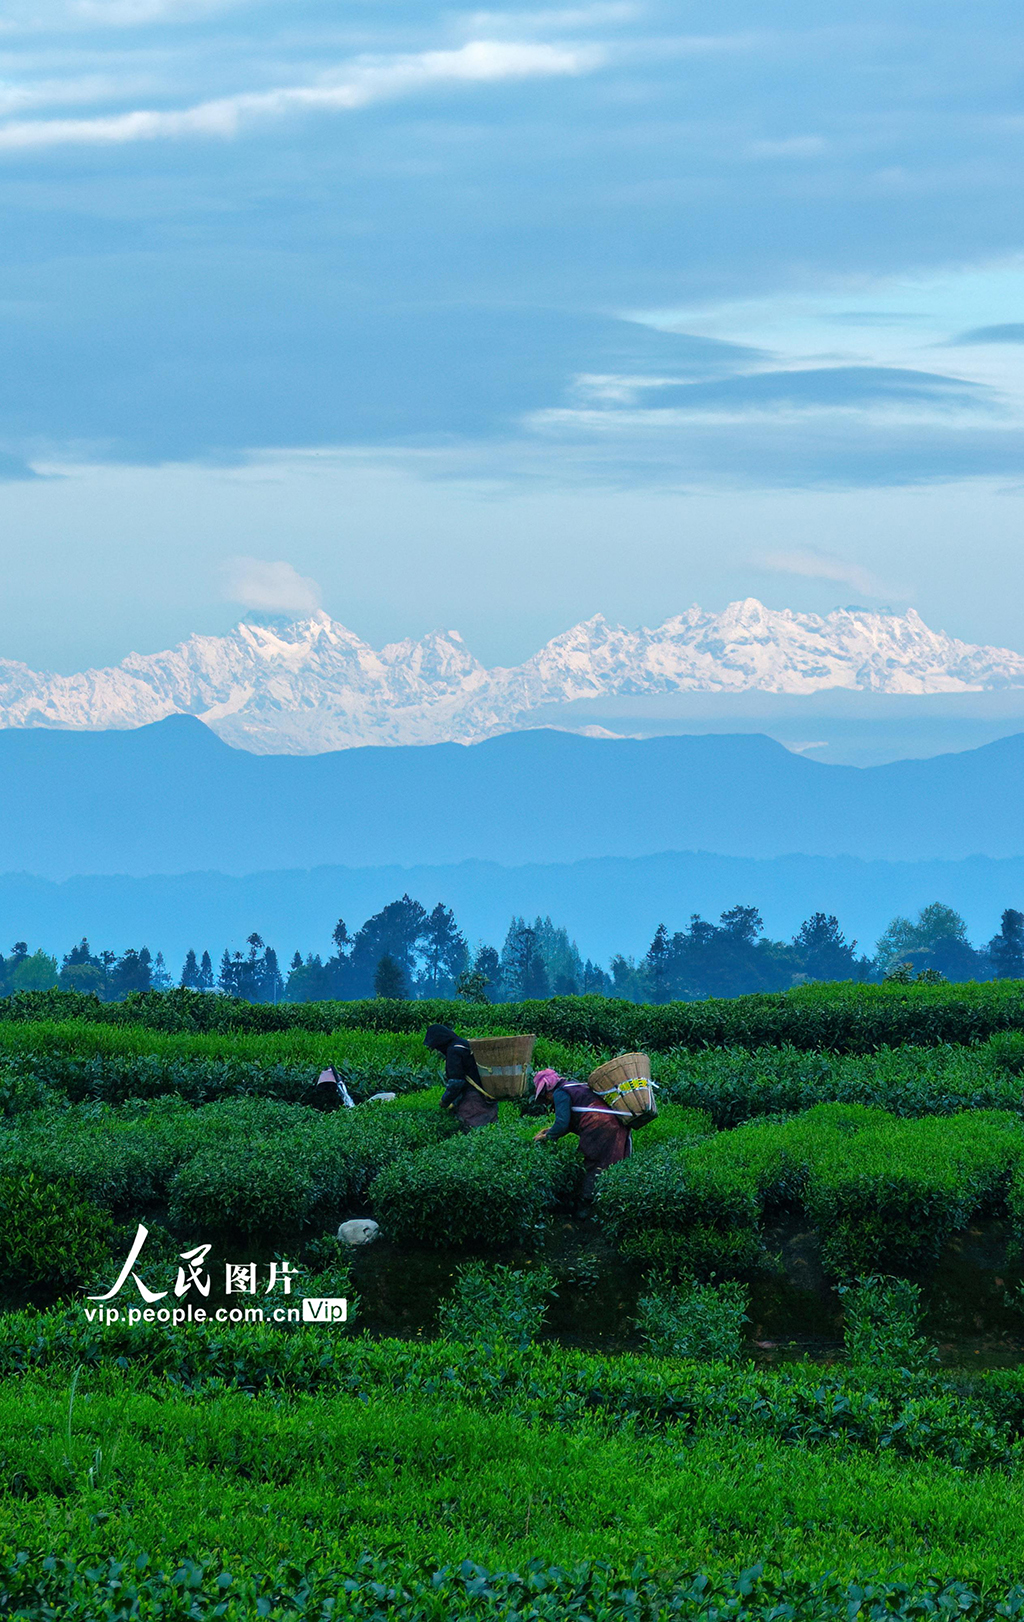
(563, 965)
(821, 946)
(444, 952)
(190, 971)
(271, 984)
(396, 932)
(389, 980)
(656, 963)
(226, 976)
(161, 980)
(523, 973)
(205, 981)
(1006, 950)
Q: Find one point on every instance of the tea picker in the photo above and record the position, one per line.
(464, 1093)
(602, 1112)
(329, 1092)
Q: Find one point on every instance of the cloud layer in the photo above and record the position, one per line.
(354, 86)
(269, 587)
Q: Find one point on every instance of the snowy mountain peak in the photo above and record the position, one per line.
(312, 684)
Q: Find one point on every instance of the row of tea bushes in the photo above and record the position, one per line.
(269, 1173)
(153, 1504)
(972, 1419)
(183, 1589)
(883, 1193)
(837, 1017)
(251, 1169)
(80, 1060)
(736, 1084)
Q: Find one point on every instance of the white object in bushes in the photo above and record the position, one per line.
(360, 1231)
(381, 1098)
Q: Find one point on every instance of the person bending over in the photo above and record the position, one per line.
(604, 1134)
(463, 1094)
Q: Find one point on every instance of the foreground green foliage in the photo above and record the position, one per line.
(92, 1589)
(261, 1465)
(151, 1471)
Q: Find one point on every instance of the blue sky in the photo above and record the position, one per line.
(496, 319)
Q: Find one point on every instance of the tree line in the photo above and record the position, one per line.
(405, 951)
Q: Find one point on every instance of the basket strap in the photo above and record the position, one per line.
(501, 1069)
(598, 1109)
(480, 1090)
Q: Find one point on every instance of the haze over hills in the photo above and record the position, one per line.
(609, 904)
(313, 685)
(172, 798)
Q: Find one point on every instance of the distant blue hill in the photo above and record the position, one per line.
(610, 904)
(172, 798)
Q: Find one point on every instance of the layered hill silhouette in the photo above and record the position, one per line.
(173, 798)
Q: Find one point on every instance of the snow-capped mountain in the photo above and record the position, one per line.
(314, 685)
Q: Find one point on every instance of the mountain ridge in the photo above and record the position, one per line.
(171, 797)
(311, 686)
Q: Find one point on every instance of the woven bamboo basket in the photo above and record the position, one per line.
(624, 1083)
(503, 1063)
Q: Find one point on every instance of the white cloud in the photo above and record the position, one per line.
(813, 564)
(18, 98)
(357, 85)
(271, 587)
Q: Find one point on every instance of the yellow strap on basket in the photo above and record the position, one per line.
(488, 1096)
(632, 1084)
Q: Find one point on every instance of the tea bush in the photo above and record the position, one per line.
(665, 1206)
(883, 1320)
(51, 1237)
(190, 1590)
(484, 1189)
(308, 1176)
(264, 1190)
(703, 1321)
(491, 1303)
(893, 1196)
(881, 1192)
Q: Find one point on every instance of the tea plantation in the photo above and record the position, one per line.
(575, 1418)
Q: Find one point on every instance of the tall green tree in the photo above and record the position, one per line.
(1006, 950)
(936, 940)
(397, 932)
(656, 964)
(389, 979)
(563, 965)
(82, 971)
(34, 972)
(443, 952)
(822, 949)
(523, 974)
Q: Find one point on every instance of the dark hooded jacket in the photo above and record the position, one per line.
(460, 1067)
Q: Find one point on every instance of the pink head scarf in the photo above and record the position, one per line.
(545, 1081)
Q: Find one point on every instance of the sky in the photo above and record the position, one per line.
(492, 320)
